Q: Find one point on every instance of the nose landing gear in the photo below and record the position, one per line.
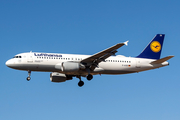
(29, 74)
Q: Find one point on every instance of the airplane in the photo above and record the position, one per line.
(64, 67)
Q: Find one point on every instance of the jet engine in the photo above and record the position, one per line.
(69, 66)
(59, 77)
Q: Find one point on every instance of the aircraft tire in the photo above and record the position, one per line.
(28, 78)
(89, 77)
(80, 83)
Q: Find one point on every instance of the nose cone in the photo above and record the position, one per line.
(9, 63)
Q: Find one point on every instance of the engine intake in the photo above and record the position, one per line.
(59, 77)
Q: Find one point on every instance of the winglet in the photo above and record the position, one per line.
(126, 43)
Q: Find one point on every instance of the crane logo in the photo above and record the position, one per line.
(155, 46)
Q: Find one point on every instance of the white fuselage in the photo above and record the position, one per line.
(49, 62)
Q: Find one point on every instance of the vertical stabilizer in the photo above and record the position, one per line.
(154, 48)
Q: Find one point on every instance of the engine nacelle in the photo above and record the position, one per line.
(69, 66)
(59, 77)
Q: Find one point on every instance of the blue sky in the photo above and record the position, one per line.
(87, 27)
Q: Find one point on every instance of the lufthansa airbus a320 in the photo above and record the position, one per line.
(64, 67)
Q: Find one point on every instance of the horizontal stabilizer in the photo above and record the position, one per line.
(162, 60)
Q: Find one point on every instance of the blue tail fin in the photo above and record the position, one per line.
(154, 48)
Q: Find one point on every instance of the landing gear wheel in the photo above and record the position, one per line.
(89, 77)
(80, 83)
(29, 74)
(28, 78)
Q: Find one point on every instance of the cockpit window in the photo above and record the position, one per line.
(17, 57)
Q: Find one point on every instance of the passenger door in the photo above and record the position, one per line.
(138, 63)
(30, 57)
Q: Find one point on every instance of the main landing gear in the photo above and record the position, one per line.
(89, 77)
(81, 83)
(29, 74)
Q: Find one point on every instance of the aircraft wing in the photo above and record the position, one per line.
(101, 56)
